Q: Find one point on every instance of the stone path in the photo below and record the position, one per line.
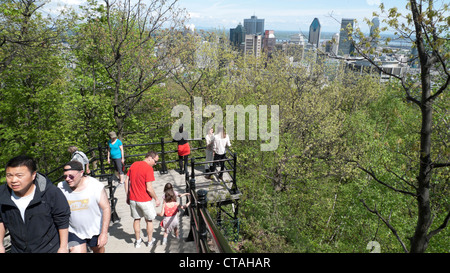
(121, 234)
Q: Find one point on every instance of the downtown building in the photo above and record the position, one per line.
(253, 44)
(345, 43)
(254, 26)
(237, 36)
(314, 33)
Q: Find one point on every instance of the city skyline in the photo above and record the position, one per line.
(284, 15)
(281, 15)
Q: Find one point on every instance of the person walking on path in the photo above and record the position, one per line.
(115, 152)
(141, 196)
(183, 148)
(90, 209)
(34, 211)
(169, 211)
(209, 150)
(81, 157)
(221, 141)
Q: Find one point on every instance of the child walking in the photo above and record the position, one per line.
(170, 210)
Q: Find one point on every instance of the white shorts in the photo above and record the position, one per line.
(143, 209)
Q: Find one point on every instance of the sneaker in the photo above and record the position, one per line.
(137, 244)
(150, 244)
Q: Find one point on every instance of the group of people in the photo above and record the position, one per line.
(45, 218)
(215, 150)
(75, 214)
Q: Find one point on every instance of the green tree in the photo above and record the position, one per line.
(427, 26)
(130, 43)
(32, 74)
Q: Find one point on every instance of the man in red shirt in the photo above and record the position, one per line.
(141, 196)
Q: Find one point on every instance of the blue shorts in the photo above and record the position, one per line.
(74, 240)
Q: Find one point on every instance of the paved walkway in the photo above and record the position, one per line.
(121, 234)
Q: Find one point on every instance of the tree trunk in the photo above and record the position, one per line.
(419, 242)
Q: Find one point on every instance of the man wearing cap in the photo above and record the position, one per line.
(90, 209)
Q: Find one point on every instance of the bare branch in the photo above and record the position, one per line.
(402, 81)
(440, 165)
(381, 182)
(386, 222)
(440, 228)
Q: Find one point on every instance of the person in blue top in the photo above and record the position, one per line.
(115, 152)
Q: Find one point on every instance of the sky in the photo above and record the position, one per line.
(289, 15)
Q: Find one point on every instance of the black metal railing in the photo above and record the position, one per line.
(203, 229)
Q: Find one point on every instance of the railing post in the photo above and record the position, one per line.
(202, 204)
(192, 168)
(234, 173)
(114, 217)
(193, 206)
(163, 158)
(100, 157)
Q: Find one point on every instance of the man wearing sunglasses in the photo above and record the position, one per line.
(90, 209)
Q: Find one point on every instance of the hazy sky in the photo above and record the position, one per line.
(293, 15)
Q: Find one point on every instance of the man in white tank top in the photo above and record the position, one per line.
(89, 207)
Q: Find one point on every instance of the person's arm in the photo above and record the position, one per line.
(106, 217)
(151, 192)
(123, 155)
(187, 205)
(63, 240)
(2, 236)
(61, 217)
(126, 187)
(162, 209)
(109, 154)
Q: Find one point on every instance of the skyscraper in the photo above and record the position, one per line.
(253, 44)
(314, 33)
(269, 41)
(374, 30)
(345, 44)
(254, 25)
(237, 35)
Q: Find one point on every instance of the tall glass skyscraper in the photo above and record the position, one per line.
(314, 33)
(374, 30)
(254, 26)
(237, 35)
(345, 44)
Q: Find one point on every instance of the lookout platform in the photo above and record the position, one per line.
(121, 233)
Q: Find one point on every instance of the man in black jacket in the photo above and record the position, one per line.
(35, 211)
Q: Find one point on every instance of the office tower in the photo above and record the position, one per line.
(331, 46)
(374, 30)
(345, 44)
(254, 25)
(298, 39)
(237, 35)
(253, 44)
(314, 33)
(269, 41)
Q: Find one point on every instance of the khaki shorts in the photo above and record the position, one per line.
(143, 209)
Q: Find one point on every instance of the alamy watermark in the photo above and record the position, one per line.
(256, 116)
